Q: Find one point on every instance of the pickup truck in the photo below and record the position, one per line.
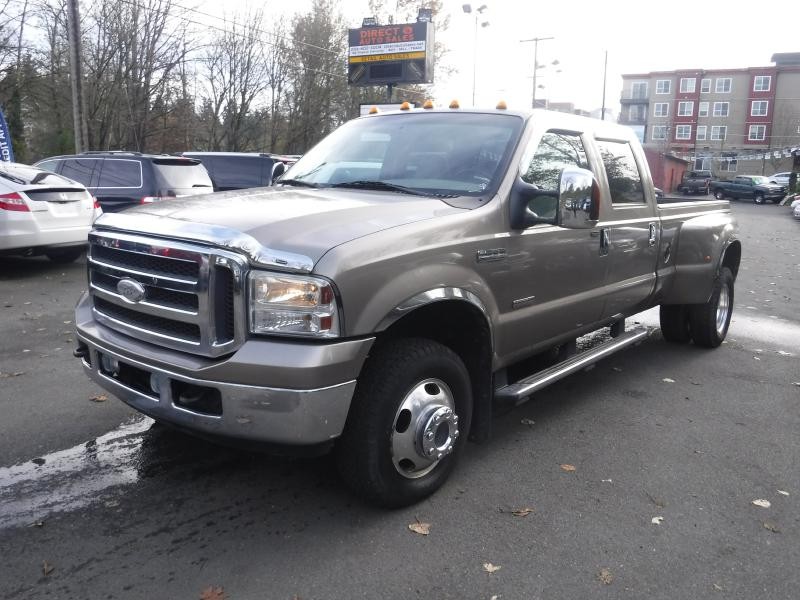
(389, 291)
(695, 182)
(756, 187)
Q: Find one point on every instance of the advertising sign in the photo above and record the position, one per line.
(6, 152)
(389, 54)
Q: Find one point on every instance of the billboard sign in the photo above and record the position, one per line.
(389, 54)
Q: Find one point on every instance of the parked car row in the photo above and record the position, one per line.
(49, 208)
(755, 187)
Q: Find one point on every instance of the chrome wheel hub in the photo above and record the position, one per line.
(723, 308)
(425, 428)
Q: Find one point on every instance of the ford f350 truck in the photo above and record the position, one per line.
(381, 298)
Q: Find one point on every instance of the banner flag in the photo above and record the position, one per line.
(6, 152)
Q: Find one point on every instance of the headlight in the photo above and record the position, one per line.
(292, 305)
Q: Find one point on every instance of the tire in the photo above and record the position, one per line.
(405, 386)
(719, 195)
(709, 322)
(759, 199)
(64, 256)
(685, 191)
(674, 320)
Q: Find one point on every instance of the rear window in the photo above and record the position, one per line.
(80, 169)
(120, 173)
(238, 171)
(25, 175)
(180, 173)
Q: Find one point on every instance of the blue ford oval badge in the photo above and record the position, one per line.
(131, 290)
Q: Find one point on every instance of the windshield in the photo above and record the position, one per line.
(760, 180)
(445, 154)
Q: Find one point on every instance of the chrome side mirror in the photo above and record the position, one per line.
(578, 199)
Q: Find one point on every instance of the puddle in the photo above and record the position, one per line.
(72, 478)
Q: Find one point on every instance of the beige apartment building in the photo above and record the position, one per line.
(726, 120)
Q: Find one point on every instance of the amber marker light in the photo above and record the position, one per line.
(428, 104)
(373, 110)
(454, 104)
(501, 105)
(405, 106)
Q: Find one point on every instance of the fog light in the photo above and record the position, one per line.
(110, 365)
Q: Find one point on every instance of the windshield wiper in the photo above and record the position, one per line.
(298, 182)
(380, 185)
(13, 178)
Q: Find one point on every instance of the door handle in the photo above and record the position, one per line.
(605, 238)
(652, 234)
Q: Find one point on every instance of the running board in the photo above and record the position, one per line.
(517, 393)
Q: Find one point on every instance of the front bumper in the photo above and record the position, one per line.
(243, 397)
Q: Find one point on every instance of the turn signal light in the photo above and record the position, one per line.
(14, 202)
(150, 199)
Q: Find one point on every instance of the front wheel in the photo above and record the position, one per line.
(719, 195)
(709, 322)
(408, 422)
(759, 199)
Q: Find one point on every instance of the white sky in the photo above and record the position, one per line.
(640, 36)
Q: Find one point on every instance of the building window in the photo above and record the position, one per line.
(661, 109)
(639, 90)
(683, 132)
(723, 85)
(761, 83)
(757, 133)
(721, 109)
(759, 108)
(719, 132)
(688, 85)
(663, 86)
(637, 112)
(701, 132)
(702, 109)
(685, 109)
(728, 164)
(659, 132)
(705, 86)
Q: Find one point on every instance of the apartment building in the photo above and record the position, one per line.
(725, 120)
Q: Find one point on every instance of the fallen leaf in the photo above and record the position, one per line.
(718, 587)
(668, 380)
(99, 398)
(756, 358)
(605, 576)
(490, 568)
(784, 353)
(212, 593)
(522, 512)
(36, 524)
(606, 480)
(617, 369)
(769, 525)
(762, 503)
(47, 568)
(796, 383)
(782, 493)
(694, 383)
(420, 528)
(568, 468)
(528, 422)
(657, 520)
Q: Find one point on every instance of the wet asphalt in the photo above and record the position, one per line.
(670, 447)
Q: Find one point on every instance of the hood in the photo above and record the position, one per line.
(306, 222)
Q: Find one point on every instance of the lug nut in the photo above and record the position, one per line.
(429, 435)
(430, 452)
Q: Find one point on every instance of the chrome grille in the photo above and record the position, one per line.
(188, 297)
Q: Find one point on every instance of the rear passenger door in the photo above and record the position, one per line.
(629, 228)
(120, 184)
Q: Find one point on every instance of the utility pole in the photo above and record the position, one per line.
(76, 75)
(535, 41)
(605, 72)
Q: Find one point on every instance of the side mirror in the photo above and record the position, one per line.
(578, 199)
(278, 169)
(531, 206)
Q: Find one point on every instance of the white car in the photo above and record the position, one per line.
(780, 178)
(43, 213)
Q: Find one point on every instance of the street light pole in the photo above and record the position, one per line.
(535, 41)
(467, 8)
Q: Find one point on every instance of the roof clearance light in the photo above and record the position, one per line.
(405, 106)
(502, 105)
(374, 110)
(428, 104)
(454, 104)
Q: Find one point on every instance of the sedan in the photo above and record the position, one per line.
(780, 178)
(43, 213)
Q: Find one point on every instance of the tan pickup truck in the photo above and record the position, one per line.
(380, 299)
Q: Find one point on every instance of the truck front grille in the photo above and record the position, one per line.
(169, 293)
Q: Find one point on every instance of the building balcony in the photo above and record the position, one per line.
(636, 100)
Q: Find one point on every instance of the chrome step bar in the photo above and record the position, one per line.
(517, 393)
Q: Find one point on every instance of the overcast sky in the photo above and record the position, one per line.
(640, 36)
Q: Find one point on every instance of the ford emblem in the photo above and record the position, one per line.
(131, 290)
